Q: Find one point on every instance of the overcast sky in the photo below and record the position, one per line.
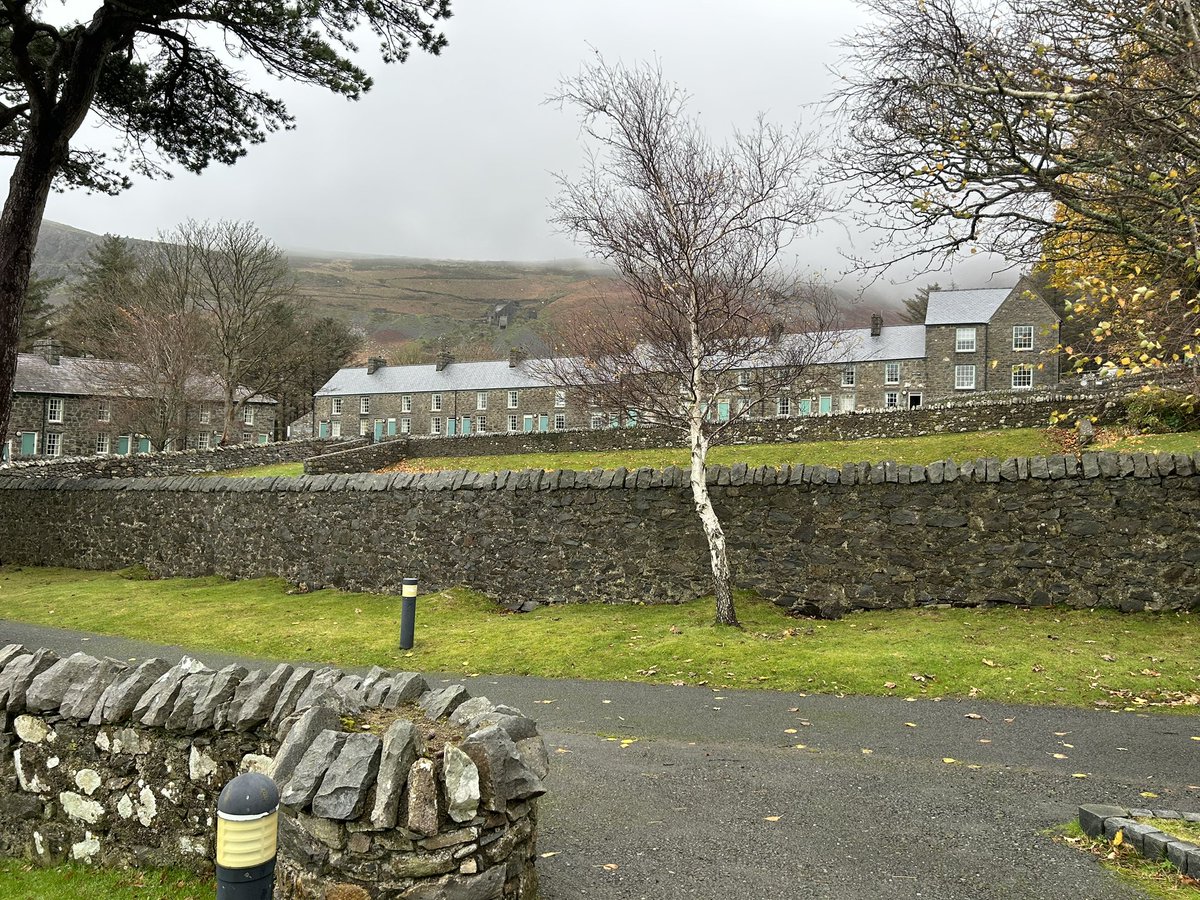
(453, 156)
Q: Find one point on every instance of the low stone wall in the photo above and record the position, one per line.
(388, 789)
(1104, 529)
(182, 462)
(1015, 410)
(359, 459)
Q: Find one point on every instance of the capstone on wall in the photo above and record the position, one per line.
(1100, 530)
(103, 763)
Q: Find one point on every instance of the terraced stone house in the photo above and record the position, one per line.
(972, 342)
(68, 406)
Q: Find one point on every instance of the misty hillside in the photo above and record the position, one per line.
(406, 307)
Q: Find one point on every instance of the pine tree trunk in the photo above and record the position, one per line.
(19, 224)
(722, 579)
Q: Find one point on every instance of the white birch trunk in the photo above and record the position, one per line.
(722, 581)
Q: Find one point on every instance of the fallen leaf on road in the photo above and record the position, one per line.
(1079, 775)
(1059, 755)
(612, 867)
(910, 724)
(867, 752)
(949, 760)
(545, 701)
(562, 750)
(972, 716)
(974, 766)
(790, 731)
(801, 747)
(985, 740)
(1150, 794)
(550, 854)
(772, 818)
(606, 701)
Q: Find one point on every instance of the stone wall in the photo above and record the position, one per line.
(1103, 529)
(183, 462)
(1016, 410)
(389, 790)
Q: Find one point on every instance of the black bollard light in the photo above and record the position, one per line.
(408, 613)
(247, 838)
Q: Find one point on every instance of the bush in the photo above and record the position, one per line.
(1157, 410)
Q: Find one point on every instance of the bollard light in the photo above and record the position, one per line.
(247, 838)
(408, 613)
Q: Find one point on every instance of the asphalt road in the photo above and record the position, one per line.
(714, 800)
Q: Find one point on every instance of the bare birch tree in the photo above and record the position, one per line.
(695, 230)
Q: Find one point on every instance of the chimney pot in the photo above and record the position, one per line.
(876, 325)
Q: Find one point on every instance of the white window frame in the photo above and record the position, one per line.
(891, 399)
(560, 399)
(104, 410)
(847, 403)
(1022, 337)
(514, 399)
(435, 402)
(364, 427)
(55, 409)
(202, 440)
(364, 407)
(560, 421)
(406, 425)
(599, 420)
(514, 424)
(891, 373)
(481, 424)
(964, 378)
(54, 443)
(435, 425)
(743, 378)
(406, 403)
(481, 400)
(247, 437)
(849, 376)
(1023, 372)
(335, 429)
(965, 340)
(783, 406)
(248, 415)
(103, 443)
(337, 409)
(205, 414)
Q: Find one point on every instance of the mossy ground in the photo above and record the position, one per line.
(1041, 656)
(20, 881)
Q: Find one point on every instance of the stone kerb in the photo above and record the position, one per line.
(389, 789)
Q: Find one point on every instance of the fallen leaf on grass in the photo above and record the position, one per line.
(890, 685)
(989, 663)
(1118, 838)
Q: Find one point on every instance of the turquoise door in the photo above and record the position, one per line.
(527, 424)
(391, 427)
(631, 418)
(806, 407)
(28, 443)
(123, 445)
(379, 429)
(452, 426)
(722, 410)
(466, 424)
(826, 406)
(143, 445)
(543, 423)
(323, 430)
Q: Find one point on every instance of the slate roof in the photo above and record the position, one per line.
(458, 376)
(77, 376)
(853, 345)
(965, 307)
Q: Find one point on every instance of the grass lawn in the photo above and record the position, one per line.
(1060, 657)
(1001, 444)
(20, 881)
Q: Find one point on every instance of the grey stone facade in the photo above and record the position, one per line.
(812, 538)
(102, 763)
(62, 409)
(889, 367)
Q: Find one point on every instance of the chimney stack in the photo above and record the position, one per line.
(51, 351)
(516, 356)
(444, 358)
(876, 325)
(375, 363)
(776, 333)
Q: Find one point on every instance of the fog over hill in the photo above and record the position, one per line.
(405, 306)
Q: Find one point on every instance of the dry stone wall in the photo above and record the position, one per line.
(181, 462)
(1101, 529)
(1016, 410)
(390, 790)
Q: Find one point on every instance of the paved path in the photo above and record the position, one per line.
(683, 812)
